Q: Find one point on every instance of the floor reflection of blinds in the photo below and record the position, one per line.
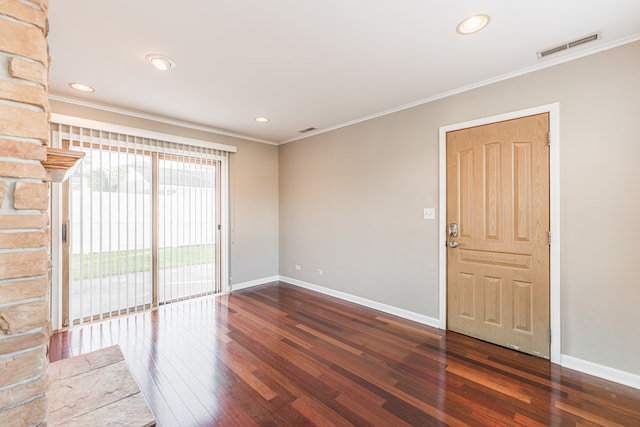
(143, 222)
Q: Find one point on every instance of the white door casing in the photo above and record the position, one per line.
(554, 195)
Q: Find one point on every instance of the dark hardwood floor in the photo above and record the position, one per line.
(278, 355)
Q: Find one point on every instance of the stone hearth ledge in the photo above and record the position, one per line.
(96, 388)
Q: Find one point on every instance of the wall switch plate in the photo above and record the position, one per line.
(297, 267)
(429, 213)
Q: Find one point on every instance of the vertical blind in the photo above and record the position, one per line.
(143, 222)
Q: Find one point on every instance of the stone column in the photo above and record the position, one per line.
(24, 218)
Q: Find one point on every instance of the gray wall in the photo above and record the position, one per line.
(351, 200)
(253, 191)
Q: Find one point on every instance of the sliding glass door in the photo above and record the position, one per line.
(110, 231)
(187, 212)
(141, 223)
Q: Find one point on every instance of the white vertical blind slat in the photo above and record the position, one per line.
(100, 242)
(90, 253)
(82, 251)
(135, 233)
(128, 209)
(119, 232)
(109, 236)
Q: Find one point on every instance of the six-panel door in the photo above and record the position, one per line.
(498, 195)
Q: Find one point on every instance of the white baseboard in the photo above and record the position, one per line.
(251, 283)
(590, 368)
(600, 371)
(406, 314)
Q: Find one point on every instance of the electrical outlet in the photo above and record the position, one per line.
(297, 267)
(319, 271)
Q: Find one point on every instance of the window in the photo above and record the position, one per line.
(143, 218)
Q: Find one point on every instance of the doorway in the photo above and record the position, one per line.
(498, 205)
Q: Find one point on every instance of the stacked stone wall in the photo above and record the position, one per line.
(25, 274)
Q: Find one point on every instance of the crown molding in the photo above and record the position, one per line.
(157, 118)
(544, 63)
(547, 62)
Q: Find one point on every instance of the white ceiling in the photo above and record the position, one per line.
(307, 63)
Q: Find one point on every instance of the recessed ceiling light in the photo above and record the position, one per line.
(82, 87)
(162, 63)
(262, 119)
(473, 24)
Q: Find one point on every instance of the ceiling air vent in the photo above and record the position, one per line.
(574, 43)
(307, 130)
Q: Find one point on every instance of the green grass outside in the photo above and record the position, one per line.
(105, 264)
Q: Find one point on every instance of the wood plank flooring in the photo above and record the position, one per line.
(278, 355)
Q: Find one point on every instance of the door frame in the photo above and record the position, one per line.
(554, 211)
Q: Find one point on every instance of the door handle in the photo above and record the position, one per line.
(453, 244)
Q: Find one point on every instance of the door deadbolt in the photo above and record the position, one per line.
(453, 230)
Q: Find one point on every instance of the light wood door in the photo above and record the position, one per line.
(498, 195)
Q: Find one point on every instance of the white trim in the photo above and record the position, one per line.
(56, 251)
(601, 371)
(406, 314)
(554, 196)
(442, 232)
(590, 368)
(252, 283)
(546, 64)
(157, 118)
(554, 217)
(142, 133)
